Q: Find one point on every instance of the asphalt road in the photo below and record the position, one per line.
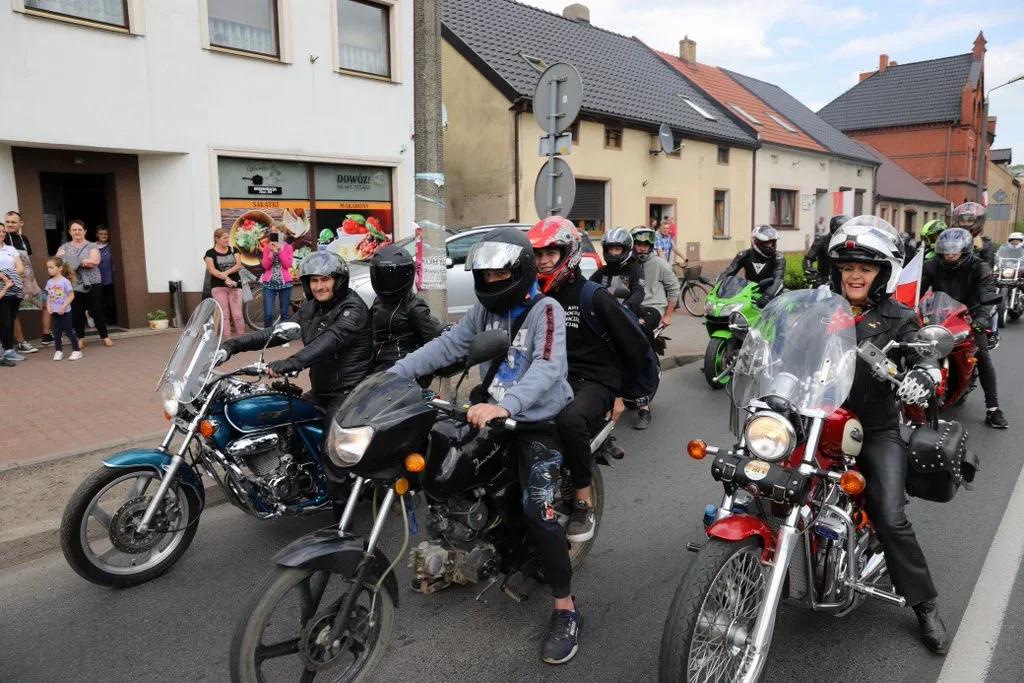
(56, 627)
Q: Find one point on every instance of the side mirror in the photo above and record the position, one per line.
(487, 346)
(288, 331)
(449, 262)
(941, 340)
(738, 324)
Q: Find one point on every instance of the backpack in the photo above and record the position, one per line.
(639, 384)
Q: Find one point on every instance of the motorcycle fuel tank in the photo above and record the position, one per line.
(255, 413)
(459, 458)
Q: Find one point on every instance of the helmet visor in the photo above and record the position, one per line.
(493, 256)
(644, 237)
(322, 263)
(954, 242)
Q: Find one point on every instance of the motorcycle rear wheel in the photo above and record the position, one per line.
(713, 610)
(579, 551)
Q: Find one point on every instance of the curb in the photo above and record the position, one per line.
(124, 443)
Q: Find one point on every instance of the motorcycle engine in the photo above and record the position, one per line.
(271, 469)
(455, 554)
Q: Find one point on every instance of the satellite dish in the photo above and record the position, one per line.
(668, 142)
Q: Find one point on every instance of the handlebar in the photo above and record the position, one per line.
(502, 423)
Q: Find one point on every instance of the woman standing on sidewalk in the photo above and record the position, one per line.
(223, 263)
(84, 259)
(11, 272)
(277, 276)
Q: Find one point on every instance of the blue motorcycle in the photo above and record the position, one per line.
(133, 518)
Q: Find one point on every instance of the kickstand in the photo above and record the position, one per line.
(490, 584)
(511, 592)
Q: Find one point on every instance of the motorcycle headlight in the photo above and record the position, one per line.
(1008, 273)
(346, 445)
(170, 395)
(709, 307)
(729, 309)
(770, 436)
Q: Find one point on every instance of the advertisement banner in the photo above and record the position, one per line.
(250, 223)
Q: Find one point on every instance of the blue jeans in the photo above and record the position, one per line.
(283, 297)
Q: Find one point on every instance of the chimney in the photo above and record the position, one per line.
(892, 62)
(577, 12)
(688, 50)
(883, 63)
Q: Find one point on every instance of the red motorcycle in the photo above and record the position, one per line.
(792, 524)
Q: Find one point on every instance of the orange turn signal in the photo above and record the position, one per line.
(972, 360)
(207, 428)
(415, 463)
(852, 483)
(166, 416)
(402, 486)
(697, 449)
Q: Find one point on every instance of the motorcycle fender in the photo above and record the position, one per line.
(740, 527)
(722, 334)
(331, 551)
(159, 461)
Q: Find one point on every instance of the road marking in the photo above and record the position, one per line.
(976, 639)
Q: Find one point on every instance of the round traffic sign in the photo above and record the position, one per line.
(563, 189)
(568, 97)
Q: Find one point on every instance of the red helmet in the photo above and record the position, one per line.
(559, 233)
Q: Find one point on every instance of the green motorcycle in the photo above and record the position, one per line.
(732, 295)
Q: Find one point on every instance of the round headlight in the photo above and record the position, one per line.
(1008, 273)
(770, 436)
(709, 307)
(729, 309)
(346, 446)
(170, 394)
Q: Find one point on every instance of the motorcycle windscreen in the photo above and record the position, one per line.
(731, 286)
(191, 361)
(377, 399)
(938, 307)
(803, 349)
(1009, 251)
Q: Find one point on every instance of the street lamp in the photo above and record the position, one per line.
(983, 143)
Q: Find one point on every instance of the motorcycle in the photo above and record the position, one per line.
(133, 518)
(730, 295)
(792, 525)
(1010, 278)
(343, 585)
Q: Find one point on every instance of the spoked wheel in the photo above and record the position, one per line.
(285, 632)
(712, 617)
(717, 356)
(566, 495)
(99, 532)
(694, 295)
(252, 311)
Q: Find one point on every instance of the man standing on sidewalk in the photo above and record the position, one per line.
(15, 238)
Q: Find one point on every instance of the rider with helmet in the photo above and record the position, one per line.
(761, 262)
(621, 268)
(971, 217)
(959, 272)
(402, 321)
(1016, 239)
(661, 286)
(597, 364)
(930, 232)
(819, 251)
(909, 251)
(530, 386)
(867, 257)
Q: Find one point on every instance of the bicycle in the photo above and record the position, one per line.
(252, 311)
(693, 288)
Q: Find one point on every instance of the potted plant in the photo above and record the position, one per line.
(157, 319)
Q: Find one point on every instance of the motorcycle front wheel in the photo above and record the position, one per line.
(715, 357)
(713, 614)
(284, 632)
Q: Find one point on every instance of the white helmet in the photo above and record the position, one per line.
(1019, 236)
(868, 239)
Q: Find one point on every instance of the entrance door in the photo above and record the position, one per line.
(822, 211)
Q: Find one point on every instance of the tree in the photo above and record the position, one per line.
(1017, 170)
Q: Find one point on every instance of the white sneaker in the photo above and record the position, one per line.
(287, 345)
(89, 321)
(75, 355)
(59, 355)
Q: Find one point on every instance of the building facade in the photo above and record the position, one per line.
(1003, 199)
(164, 121)
(902, 200)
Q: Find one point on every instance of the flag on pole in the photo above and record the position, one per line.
(908, 287)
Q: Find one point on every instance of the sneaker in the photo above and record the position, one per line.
(89, 321)
(286, 345)
(643, 419)
(562, 641)
(11, 354)
(58, 355)
(994, 418)
(581, 523)
(4, 363)
(47, 340)
(75, 355)
(25, 347)
(993, 341)
(611, 449)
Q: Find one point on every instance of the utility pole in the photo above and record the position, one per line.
(429, 141)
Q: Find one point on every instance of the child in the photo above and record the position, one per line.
(401, 320)
(59, 296)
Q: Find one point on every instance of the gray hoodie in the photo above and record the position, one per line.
(531, 383)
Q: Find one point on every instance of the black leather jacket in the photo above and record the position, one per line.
(337, 344)
(972, 284)
(987, 253)
(400, 328)
(819, 252)
(873, 401)
(757, 268)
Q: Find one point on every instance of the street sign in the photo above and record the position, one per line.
(558, 97)
(563, 145)
(1000, 196)
(557, 181)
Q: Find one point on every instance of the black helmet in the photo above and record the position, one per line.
(328, 264)
(764, 239)
(836, 221)
(392, 273)
(955, 241)
(617, 237)
(500, 249)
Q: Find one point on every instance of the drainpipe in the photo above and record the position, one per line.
(874, 190)
(518, 106)
(945, 178)
(753, 190)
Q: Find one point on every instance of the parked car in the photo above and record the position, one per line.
(460, 281)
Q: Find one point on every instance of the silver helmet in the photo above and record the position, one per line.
(868, 239)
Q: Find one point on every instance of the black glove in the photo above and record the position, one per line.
(222, 355)
(917, 387)
(286, 366)
(762, 301)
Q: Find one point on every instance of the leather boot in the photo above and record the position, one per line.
(933, 630)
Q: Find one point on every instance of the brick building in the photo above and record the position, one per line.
(926, 116)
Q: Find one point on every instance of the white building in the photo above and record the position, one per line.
(165, 120)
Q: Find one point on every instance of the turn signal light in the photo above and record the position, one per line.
(852, 483)
(166, 416)
(207, 428)
(697, 449)
(972, 360)
(415, 463)
(402, 486)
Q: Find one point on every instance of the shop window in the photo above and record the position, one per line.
(612, 138)
(783, 208)
(244, 25)
(721, 227)
(364, 37)
(723, 155)
(112, 13)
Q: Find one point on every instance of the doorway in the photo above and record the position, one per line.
(657, 211)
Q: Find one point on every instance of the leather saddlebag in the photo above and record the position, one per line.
(939, 461)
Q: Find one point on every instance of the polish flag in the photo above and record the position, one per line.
(908, 287)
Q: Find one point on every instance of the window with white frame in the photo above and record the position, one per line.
(743, 112)
(721, 227)
(106, 12)
(696, 107)
(245, 25)
(364, 37)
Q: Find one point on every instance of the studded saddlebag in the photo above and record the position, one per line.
(939, 461)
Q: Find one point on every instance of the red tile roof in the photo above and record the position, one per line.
(731, 94)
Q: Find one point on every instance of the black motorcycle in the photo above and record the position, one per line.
(329, 603)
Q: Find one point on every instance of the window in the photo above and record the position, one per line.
(742, 112)
(858, 202)
(696, 107)
(364, 37)
(106, 12)
(782, 123)
(588, 211)
(783, 208)
(612, 138)
(538, 64)
(677, 152)
(721, 227)
(885, 213)
(458, 249)
(723, 155)
(245, 25)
